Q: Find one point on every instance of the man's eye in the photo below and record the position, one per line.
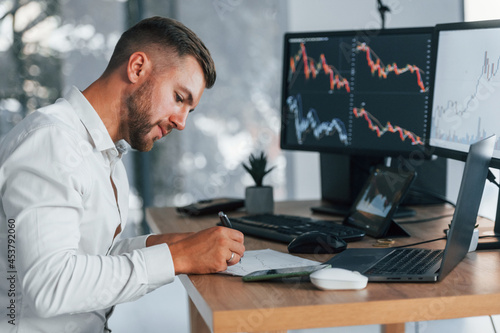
(178, 98)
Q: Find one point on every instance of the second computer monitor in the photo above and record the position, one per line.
(466, 95)
(357, 92)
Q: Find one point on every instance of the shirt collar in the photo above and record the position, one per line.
(92, 122)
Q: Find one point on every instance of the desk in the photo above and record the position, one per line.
(221, 303)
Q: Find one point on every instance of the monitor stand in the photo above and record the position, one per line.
(395, 230)
(493, 242)
(343, 176)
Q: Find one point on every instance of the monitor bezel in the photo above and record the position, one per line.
(422, 151)
(436, 150)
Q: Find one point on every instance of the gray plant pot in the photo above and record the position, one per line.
(259, 200)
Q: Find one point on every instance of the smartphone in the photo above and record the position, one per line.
(282, 273)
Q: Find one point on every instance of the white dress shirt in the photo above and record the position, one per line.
(61, 269)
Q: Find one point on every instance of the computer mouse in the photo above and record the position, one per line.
(338, 279)
(316, 242)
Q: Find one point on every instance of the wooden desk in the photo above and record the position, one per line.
(221, 303)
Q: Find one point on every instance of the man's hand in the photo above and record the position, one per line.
(207, 251)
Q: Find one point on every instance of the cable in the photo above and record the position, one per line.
(491, 177)
(422, 192)
(430, 241)
(488, 236)
(426, 220)
(419, 243)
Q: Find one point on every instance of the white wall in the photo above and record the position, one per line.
(362, 14)
(320, 15)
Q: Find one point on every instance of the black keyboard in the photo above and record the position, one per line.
(284, 228)
(406, 262)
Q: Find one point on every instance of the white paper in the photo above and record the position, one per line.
(258, 260)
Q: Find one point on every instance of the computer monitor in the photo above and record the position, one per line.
(361, 94)
(356, 92)
(466, 94)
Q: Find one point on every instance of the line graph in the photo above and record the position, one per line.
(488, 72)
(377, 66)
(375, 125)
(313, 67)
(311, 123)
(467, 88)
(489, 68)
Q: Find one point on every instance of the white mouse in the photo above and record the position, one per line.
(338, 279)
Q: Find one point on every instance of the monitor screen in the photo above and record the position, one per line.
(466, 95)
(356, 92)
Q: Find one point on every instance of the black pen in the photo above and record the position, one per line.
(225, 220)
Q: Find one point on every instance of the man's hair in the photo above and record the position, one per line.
(166, 35)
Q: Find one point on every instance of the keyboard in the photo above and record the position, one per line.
(284, 228)
(406, 261)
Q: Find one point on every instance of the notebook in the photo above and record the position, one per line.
(435, 264)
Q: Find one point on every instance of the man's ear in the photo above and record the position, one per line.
(138, 67)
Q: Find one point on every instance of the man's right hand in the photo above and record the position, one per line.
(207, 251)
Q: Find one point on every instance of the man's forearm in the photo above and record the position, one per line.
(166, 238)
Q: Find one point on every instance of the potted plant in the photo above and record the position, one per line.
(258, 198)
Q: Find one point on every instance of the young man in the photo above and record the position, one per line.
(64, 191)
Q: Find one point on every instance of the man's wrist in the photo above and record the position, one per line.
(169, 239)
(153, 240)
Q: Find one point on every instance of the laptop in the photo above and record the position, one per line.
(427, 265)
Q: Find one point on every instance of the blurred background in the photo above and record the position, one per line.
(47, 46)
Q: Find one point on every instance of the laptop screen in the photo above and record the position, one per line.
(467, 206)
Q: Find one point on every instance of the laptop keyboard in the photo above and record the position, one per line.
(284, 228)
(406, 261)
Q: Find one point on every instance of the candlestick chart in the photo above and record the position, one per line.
(377, 66)
(344, 92)
(376, 126)
(312, 68)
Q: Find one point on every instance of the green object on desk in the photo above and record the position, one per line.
(282, 273)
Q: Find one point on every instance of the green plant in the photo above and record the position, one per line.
(257, 167)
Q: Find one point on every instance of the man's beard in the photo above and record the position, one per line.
(139, 117)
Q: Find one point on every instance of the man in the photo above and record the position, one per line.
(64, 191)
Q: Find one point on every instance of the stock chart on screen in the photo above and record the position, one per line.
(466, 97)
(356, 92)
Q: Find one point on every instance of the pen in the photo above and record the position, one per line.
(225, 220)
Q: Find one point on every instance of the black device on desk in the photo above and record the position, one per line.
(317, 242)
(211, 206)
(374, 208)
